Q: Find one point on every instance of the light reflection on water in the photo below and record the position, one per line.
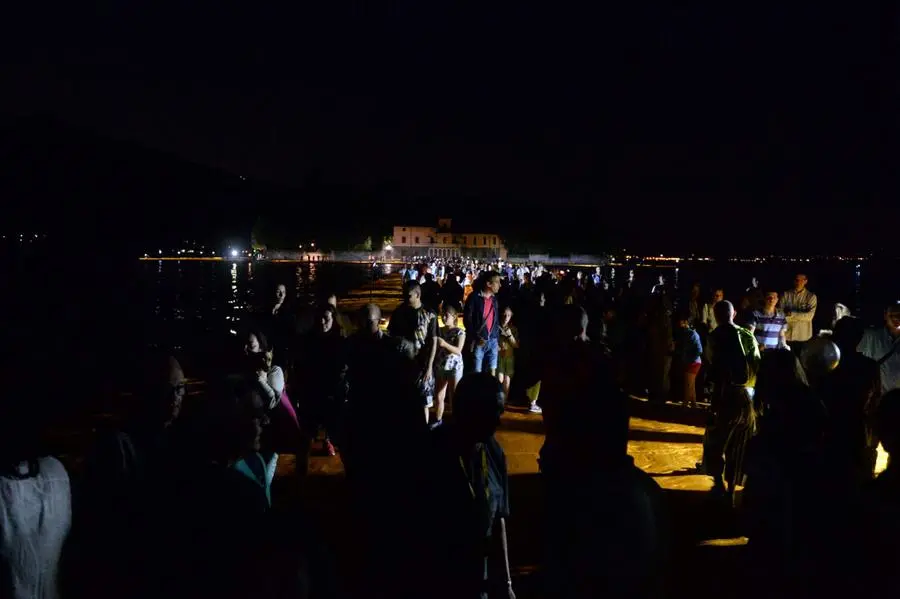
(182, 302)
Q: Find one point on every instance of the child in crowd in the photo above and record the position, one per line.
(509, 342)
(449, 363)
(688, 352)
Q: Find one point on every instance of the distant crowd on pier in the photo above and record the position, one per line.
(179, 498)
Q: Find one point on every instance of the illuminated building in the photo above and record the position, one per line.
(442, 242)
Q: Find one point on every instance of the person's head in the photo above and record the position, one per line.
(541, 299)
(507, 315)
(477, 406)
(754, 283)
(449, 314)
(604, 284)
(327, 296)
(770, 300)
(892, 319)
(491, 283)
(236, 422)
(695, 291)
(747, 319)
(370, 318)
(887, 422)
(848, 333)
(609, 312)
(163, 388)
(327, 320)
(838, 312)
(256, 343)
(573, 322)
(800, 281)
(718, 295)
(683, 318)
(414, 294)
(280, 293)
(724, 312)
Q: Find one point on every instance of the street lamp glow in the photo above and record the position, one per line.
(388, 248)
(234, 253)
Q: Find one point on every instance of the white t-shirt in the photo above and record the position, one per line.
(35, 518)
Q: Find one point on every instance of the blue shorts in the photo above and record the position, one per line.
(489, 351)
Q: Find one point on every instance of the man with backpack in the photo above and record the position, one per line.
(733, 356)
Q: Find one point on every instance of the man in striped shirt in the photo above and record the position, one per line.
(771, 324)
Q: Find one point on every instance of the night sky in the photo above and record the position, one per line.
(655, 128)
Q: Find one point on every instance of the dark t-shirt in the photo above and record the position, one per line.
(405, 323)
(472, 492)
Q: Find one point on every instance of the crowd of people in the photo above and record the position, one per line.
(176, 499)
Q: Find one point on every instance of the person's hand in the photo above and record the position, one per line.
(429, 374)
(262, 376)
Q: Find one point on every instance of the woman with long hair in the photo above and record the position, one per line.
(269, 381)
(323, 380)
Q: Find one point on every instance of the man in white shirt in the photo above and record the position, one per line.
(799, 306)
(708, 318)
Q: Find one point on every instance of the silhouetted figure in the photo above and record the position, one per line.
(388, 503)
(279, 323)
(734, 357)
(431, 293)
(205, 523)
(472, 489)
(322, 386)
(119, 468)
(602, 513)
(452, 292)
(878, 517)
(786, 498)
(851, 394)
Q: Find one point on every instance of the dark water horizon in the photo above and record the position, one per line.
(102, 315)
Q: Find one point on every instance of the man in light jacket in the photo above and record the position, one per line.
(799, 306)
